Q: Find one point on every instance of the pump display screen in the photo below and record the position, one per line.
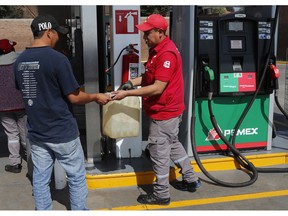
(235, 26)
(236, 44)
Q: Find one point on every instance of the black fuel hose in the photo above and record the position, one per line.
(112, 66)
(236, 153)
(261, 170)
(279, 106)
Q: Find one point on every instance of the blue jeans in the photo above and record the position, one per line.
(71, 157)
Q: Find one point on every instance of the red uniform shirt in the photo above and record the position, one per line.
(164, 64)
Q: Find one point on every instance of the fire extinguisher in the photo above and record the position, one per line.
(130, 63)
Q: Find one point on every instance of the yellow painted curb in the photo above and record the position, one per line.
(281, 62)
(215, 164)
(205, 201)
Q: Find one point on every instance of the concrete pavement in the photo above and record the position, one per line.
(269, 192)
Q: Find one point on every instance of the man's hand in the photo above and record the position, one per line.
(102, 98)
(119, 95)
(126, 86)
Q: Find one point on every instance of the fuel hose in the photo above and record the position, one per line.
(247, 108)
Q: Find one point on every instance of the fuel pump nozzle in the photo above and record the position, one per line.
(275, 74)
(209, 75)
(210, 72)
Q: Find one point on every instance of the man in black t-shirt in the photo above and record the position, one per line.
(46, 81)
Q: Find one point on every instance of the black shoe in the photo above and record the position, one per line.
(185, 186)
(152, 200)
(14, 169)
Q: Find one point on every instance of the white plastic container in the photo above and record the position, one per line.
(121, 118)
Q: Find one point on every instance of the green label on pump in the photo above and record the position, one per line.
(228, 82)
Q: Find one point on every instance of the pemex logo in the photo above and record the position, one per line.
(212, 135)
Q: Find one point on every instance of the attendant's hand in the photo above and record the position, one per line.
(119, 95)
(126, 86)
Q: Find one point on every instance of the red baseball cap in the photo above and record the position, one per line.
(7, 46)
(153, 21)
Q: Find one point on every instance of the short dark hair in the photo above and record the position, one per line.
(38, 35)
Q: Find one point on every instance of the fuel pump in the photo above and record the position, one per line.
(235, 44)
(265, 82)
(233, 50)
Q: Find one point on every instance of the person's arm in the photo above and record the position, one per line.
(155, 89)
(164, 72)
(81, 98)
(131, 83)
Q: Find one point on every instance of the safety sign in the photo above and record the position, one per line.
(125, 21)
